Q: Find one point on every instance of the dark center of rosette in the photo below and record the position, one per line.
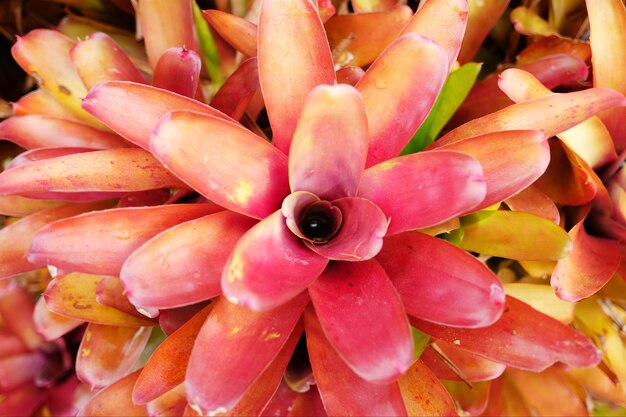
(320, 221)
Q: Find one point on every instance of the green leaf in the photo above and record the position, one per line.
(607, 410)
(454, 236)
(454, 91)
(208, 48)
(420, 341)
(514, 235)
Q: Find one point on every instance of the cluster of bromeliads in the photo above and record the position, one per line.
(291, 207)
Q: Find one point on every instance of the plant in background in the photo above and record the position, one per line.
(336, 217)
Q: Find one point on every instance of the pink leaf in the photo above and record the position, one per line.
(178, 70)
(100, 242)
(223, 161)
(99, 58)
(294, 57)
(183, 265)
(432, 275)
(236, 335)
(133, 110)
(333, 120)
(523, 338)
(424, 189)
(344, 392)
(262, 279)
(363, 319)
(396, 105)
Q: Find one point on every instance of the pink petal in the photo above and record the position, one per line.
(172, 319)
(358, 38)
(100, 242)
(361, 234)
(333, 120)
(223, 161)
(110, 292)
(238, 89)
(114, 170)
(306, 404)
(296, 203)
(38, 131)
(262, 279)
(10, 344)
(350, 75)
(167, 24)
(42, 153)
(51, 325)
(16, 310)
(23, 401)
(178, 70)
(591, 264)
(486, 96)
(473, 368)
(235, 30)
(551, 114)
(17, 370)
(16, 238)
(444, 22)
(107, 353)
(114, 400)
(165, 369)
(523, 338)
(261, 391)
(344, 392)
(183, 265)
(235, 335)
(441, 283)
(532, 200)
(363, 319)
(99, 58)
(505, 177)
(294, 57)
(133, 110)
(396, 105)
(590, 139)
(423, 189)
(283, 401)
(569, 180)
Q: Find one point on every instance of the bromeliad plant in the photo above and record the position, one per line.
(336, 217)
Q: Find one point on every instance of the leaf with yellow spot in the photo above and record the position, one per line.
(542, 298)
(423, 393)
(107, 353)
(597, 324)
(514, 235)
(74, 295)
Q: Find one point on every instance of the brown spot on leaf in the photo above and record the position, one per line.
(63, 89)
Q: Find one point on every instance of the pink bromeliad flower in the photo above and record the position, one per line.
(321, 221)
